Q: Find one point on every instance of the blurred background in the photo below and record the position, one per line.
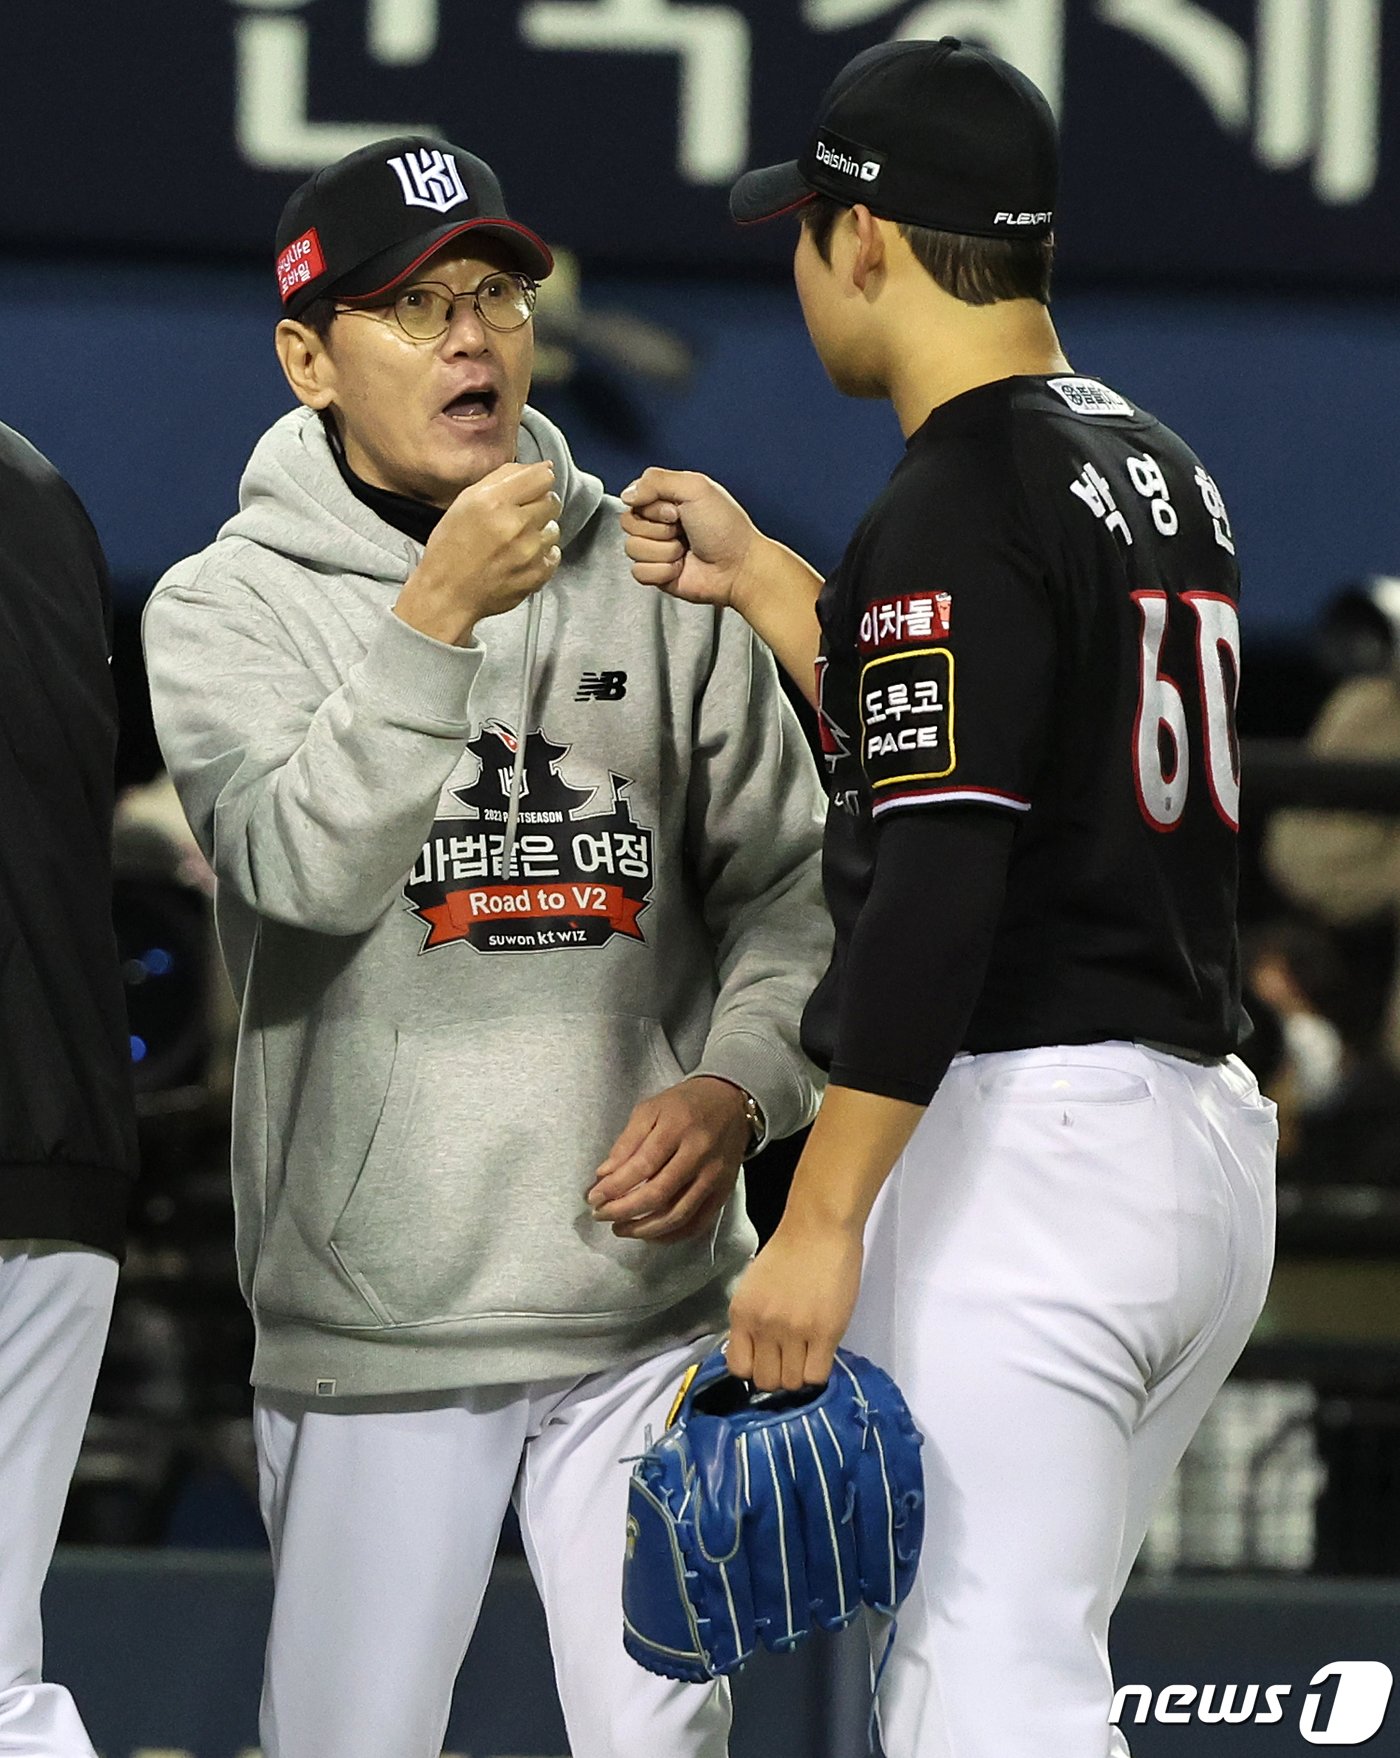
(1229, 255)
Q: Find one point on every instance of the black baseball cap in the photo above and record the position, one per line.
(930, 134)
(359, 226)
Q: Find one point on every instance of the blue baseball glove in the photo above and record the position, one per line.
(758, 1515)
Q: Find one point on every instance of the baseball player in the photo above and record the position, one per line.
(67, 1123)
(518, 882)
(1037, 1161)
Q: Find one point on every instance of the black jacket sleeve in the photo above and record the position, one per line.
(67, 1119)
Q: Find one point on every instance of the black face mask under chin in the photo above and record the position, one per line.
(416, 519)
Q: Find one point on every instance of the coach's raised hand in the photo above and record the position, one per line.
(495, 545)
(690, 538)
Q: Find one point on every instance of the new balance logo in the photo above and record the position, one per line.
(601, 686)
(430, 180)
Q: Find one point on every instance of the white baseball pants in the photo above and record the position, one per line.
(384, 1516)
(55, 1308)
(1060, 1273)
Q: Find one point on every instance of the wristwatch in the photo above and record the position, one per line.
(753, 1113)
(758, 1125)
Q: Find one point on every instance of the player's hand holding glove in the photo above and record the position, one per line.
(759, 1515)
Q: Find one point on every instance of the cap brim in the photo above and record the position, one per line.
(768, 193)
(382, 273)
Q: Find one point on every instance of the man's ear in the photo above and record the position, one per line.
(870, 248)
(307, 363)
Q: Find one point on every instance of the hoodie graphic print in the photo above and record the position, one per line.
(581, 869)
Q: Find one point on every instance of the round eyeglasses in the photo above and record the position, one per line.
(425, 310)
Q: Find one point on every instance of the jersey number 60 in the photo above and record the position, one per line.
(1161, 713)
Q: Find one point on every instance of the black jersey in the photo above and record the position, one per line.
(1038, 618)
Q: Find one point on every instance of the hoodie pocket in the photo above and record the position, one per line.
(472, 1197)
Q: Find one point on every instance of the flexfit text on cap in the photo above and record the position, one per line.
(941, 134)
(359, 226)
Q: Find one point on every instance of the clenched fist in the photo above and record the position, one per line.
(687, 536)
(495, 545)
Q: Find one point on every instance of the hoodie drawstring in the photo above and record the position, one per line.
(527, 679)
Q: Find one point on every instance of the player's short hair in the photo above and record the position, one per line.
(979, 271)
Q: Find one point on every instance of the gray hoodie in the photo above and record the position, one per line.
(433, 1058)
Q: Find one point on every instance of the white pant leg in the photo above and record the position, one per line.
(1060, 1273)
(573, 1510)
(55, 1308)
(384, 1515)
(1178, 1400)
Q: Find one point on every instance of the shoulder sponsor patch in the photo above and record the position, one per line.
(1086, 396)
(906, 718)
(891, 622)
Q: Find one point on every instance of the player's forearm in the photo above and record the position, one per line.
(853, 1147)
(776, 594)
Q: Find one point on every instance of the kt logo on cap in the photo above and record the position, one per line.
(430, 180)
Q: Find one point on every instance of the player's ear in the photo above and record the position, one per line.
(869, 248)
(307, 364)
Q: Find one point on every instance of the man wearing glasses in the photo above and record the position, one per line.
(518, 888)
